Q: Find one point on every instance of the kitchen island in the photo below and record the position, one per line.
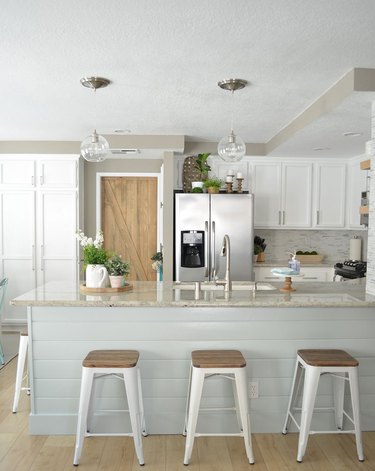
(165, 323)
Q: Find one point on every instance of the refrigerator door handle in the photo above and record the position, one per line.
(206, 250)
(213, 271)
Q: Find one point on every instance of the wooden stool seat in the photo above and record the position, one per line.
(327, 358)
(111, 359)
(217, 359)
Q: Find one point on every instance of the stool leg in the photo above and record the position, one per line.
(241, 385)
(187, 402)
(354, 392)
(298, 370)
(84, 399)
(338, 398)
(236, 405)
(197, 380)
(20, 369)
(312, 375)
(141, 407)
(132, 393)
(2, 360)
(90, 409)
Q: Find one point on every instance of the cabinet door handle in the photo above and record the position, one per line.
(42, 257)
(317, 217)
(213, 243)
(310, 278)
(32, 180)
(279, 218)
(33, 257)
(283, 218)
(206, 248)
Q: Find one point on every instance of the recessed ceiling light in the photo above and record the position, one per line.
(125, 151)
(122, 131)
(321, 148)
(352, 134)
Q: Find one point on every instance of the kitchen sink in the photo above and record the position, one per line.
(211, 286)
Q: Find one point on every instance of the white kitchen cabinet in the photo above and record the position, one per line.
(220, 169)
(311, 274)
(39, 218)
(282, 195)
(329, 195)
(267, 193)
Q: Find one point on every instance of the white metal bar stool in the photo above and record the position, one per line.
(342, 367)
(111, 362)
(20, 374)
(224, 363)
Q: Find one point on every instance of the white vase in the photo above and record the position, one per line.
(96, 276)
(117, 281)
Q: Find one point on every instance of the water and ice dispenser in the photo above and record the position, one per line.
(192, 249)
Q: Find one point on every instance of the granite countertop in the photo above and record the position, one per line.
(164, 294)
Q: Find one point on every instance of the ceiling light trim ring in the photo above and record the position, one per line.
(232, 84)
(95, 82)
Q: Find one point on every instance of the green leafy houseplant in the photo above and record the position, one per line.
(93, 251)
(213, 184)
(257, 249)
(116, 266)
(202, 166)
(157, 259)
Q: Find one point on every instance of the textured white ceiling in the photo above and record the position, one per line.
(165, 57)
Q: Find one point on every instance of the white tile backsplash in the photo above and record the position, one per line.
(334, 245)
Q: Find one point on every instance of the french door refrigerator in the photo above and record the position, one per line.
(201, 221)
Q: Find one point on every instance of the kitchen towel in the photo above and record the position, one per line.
(355, 248)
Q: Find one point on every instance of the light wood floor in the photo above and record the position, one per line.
(22, 452)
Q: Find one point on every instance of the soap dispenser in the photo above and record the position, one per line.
(294, 264)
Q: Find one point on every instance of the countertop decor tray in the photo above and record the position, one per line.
(84, 289)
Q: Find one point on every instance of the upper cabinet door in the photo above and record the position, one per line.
(56, 173)
(16, 173)
(282, 195)
(329, 208)
(297, 194)
(267, 194)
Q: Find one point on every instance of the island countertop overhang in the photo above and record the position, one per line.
(164, 294)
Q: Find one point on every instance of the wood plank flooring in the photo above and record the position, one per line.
(20, 451)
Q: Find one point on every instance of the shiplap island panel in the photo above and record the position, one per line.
(166, 324)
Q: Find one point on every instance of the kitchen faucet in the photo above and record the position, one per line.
(225, 251)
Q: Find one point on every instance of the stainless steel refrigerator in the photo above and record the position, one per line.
(201, 221)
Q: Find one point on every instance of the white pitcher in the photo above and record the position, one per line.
(96, 276)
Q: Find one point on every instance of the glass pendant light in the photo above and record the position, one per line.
(95, 148)
(231, 148)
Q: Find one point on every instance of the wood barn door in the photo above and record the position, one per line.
(129, 221)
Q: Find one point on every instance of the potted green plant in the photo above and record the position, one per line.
(257, 251)
(213, 185)
(117, 270)
(157, 263)
(94, 259)
(261, 243)
(203, 168)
